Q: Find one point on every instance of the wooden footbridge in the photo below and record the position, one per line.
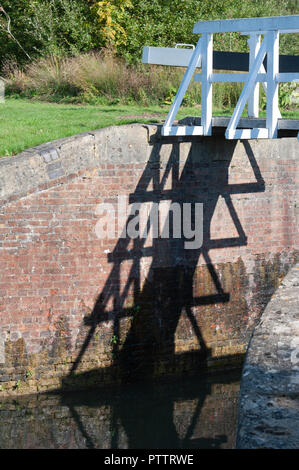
(263, 65)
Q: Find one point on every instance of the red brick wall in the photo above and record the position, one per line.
(76, 310)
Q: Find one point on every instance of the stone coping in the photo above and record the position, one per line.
(40, 167)
(49, 164)
(269, 407)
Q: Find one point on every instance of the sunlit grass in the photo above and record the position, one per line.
(27, 123)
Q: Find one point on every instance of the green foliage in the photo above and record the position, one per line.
(18, 384)
(226, 95)
(284, 96)
(60, 27)
(110, 15)
(171, 95)
(54, 27)
(28, 374)
(114, 339)
(156, 23)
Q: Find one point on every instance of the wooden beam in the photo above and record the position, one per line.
(263, 24)
(235, 61)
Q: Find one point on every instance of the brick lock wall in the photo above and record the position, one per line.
(79, 311)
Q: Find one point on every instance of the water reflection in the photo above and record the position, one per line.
(192, 413)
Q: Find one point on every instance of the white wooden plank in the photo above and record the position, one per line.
(272, 39)
(281, 31)
(170, 56)
(258, 133)
(182, 130)
(229, 77)
(254, 43)
(287, 77)
(264, 24)
(167, 56)
(206, 86)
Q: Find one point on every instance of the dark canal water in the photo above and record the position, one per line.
(190, 413)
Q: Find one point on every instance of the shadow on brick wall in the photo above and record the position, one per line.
(157, 304)
(167, 293)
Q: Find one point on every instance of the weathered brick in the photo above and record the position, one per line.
(61, 284)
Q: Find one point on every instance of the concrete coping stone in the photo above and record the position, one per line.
(268, 414)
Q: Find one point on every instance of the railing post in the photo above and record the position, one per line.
(272, 111)
(206, 84)
(254, 42)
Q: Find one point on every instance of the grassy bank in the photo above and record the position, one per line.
(27, 123)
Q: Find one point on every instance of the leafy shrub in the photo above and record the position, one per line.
(55, 27)
(69, 27)
(285, 91)
(167, 22)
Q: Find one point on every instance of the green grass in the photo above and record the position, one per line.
(26, 123)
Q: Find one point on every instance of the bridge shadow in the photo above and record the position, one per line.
(160, 415)
(154, 305)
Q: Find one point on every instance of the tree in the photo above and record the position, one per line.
(167, 22)
(110, 21)
(5, 26)
(41, 28)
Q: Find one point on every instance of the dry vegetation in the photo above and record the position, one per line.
(103, 78)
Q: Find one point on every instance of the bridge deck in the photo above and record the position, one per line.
(286, 127)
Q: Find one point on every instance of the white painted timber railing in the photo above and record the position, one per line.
(202, 57)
